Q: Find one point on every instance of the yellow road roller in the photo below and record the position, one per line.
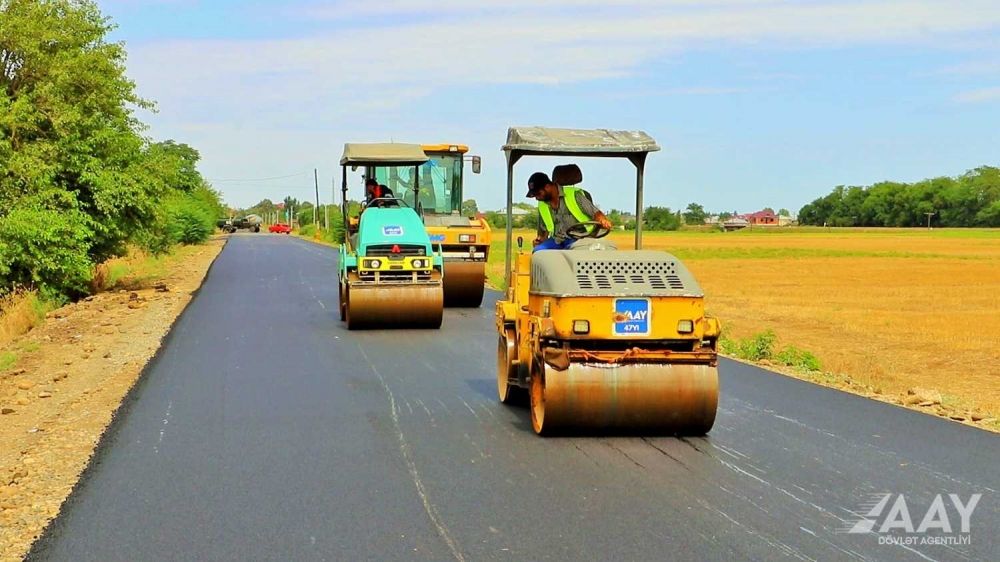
(464, 238)
(602, 339)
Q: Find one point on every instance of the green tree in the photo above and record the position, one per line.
(469, 208)
(496, 220)
(78, 182)
(695, 214)
(661, 218)
(964, 201)
(784, 213)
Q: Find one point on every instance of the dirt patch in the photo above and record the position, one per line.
(71, 374)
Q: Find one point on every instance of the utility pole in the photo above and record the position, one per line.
(316, 208)
(929, 215)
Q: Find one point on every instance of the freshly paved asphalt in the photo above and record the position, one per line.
(266, 431)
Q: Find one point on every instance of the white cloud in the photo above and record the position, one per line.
(239, 97)
(979, 96)
(364, 67)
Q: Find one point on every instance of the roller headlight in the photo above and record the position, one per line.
(581, 326)
(685, 327)
(467, 238)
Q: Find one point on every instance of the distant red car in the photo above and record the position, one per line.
(280, 228)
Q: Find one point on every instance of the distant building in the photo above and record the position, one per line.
(761, 218)
(786, 221)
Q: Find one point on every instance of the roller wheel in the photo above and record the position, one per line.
(343, 302)
(351, 323)
(537, 394)
(506, 370)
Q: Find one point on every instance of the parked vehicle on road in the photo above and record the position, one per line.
(248, 222)
(279, 228)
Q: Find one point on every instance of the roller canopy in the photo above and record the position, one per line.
(383, 154)
(566, 142)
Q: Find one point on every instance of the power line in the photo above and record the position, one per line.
(263, 179)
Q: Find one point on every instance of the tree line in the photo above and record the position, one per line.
(79, 182)
(653, 217)
(972, 199)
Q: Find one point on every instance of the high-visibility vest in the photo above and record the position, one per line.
(569, 194)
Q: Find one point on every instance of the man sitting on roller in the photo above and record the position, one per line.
(559, 209)
(374, 192)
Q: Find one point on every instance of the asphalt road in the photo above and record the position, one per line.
(265, 430)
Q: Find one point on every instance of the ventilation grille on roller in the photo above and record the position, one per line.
(609, 275)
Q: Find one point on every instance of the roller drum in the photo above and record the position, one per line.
(663, 399)
(392, 306)
(464, 283)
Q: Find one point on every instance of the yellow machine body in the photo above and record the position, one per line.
(608, 340)
(464, 240)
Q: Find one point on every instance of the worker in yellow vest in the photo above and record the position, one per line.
(559, 209)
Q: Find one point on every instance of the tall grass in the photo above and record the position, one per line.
(20, 311)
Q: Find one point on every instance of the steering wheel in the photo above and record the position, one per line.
(588, 229)
(387, 202)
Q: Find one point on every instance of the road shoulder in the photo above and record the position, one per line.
(71, 378)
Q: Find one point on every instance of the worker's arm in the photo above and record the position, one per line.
(592, 211)
(601, 218)
(541, 235)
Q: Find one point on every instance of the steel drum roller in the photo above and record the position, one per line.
(408, 306)
(464, 283)
(646, 398)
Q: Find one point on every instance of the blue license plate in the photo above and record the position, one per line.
(632, 317)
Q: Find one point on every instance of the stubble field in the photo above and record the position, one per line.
(886, 311)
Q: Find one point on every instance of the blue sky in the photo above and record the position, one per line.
(755, 102)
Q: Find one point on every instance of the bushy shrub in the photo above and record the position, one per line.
(799, 358)
(47, 249)
(759, 347)
(189, 221)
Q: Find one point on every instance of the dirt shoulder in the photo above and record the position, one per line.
(71, 375)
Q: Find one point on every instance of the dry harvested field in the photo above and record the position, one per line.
(884, 310)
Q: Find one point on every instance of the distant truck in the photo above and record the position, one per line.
(248, 222)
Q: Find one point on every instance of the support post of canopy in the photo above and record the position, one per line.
(343, 199)
(510, 228)
(640, 171)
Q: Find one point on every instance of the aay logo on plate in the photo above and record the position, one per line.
(392, 230)
(631, 317)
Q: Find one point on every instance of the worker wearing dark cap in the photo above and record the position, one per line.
(375, 194)
(559, 209)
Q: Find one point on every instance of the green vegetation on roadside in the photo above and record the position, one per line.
(7, 360)
(79, 183)
(761, 347)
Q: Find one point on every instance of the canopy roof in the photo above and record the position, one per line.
(590, 142)
(383, 154)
